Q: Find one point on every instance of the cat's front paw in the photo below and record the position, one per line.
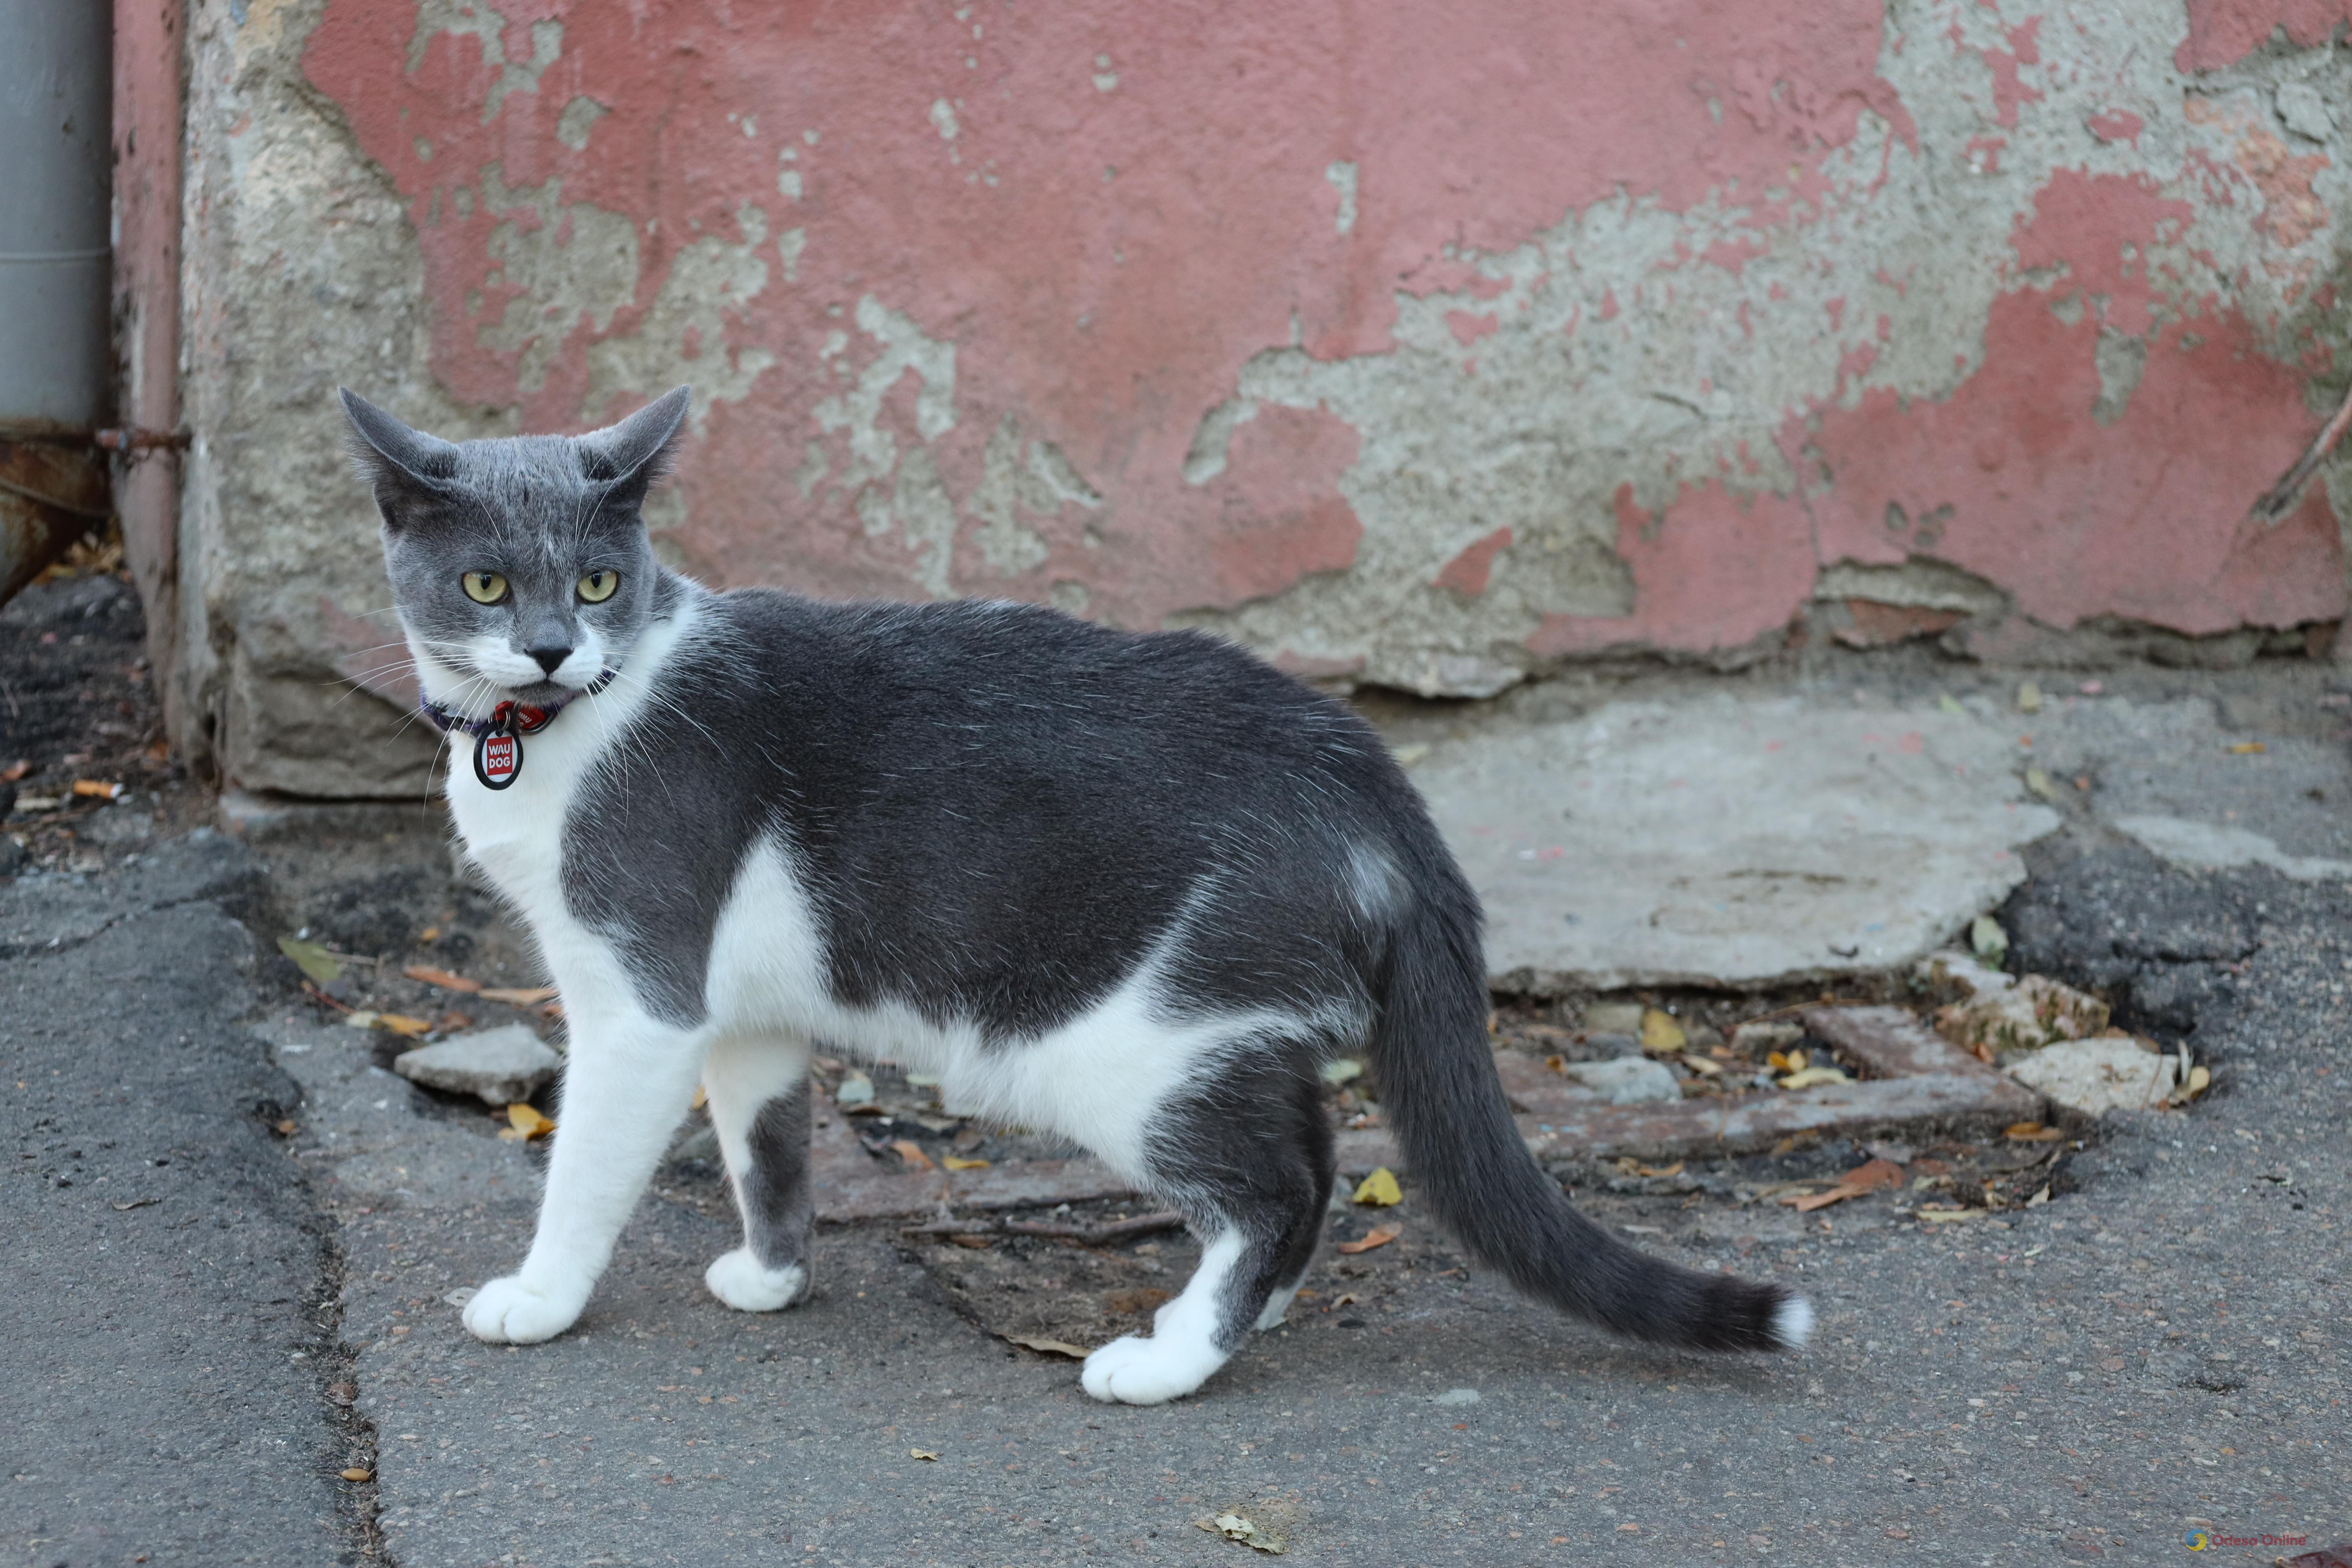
(746, 1284)
(508, 1313)
(1133, 1371)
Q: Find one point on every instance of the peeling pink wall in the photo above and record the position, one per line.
(1103, 217)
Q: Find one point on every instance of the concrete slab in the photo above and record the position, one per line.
(1710, 840)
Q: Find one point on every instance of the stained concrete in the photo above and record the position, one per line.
(1711, 839)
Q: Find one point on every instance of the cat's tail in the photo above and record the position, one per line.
(1440, 1097)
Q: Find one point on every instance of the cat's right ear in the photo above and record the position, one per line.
(399, 464)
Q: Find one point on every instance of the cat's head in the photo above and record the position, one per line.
(519, 566)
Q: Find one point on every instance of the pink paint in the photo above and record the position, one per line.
(2116, 125)
(1467, 572)
(2144, 519)
(1984, 153)
(1468, 328)
(1713, 571)
(1107, 316)
(2024, 50)
(2223, 32)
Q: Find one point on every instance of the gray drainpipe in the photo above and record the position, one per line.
(56, 271)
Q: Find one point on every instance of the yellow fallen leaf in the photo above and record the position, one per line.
(356, 1474)
(2032, 1132)
(1701, 1065)
(1048, 1347)
(1806, 1078)
(921, 1454)
(442, 978)
(2039, 783)
(430, 933)
(2028, 698)
(1674, 1170)
(524, 1120)
(312, 959)
(957, 1162)
(1379, 1189)
(912, 1153)
(2242, 749)
(1942, 1216)
(1660, 1034)
(363, 1019)
(401, 1023)
(1786, 1061)
(2198, 1078)
(518, 996)
(1379, 1236)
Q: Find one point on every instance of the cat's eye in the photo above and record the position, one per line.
(598, 586)
(484, 587)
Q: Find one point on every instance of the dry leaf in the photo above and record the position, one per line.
(1379, 1236)
(977, 1242)
(452, 1022)
(401, 1023)
(2029, 697)
(135, 1204)
(1786, 1061)
(2032, 1132)
(1233, 1527)
(2038, 1199)
(1939, 1217)
(1674, 1170)
(357, 1474)
(429, 934)
(1701, 1065)
(1049, 1347)
(921, 1454)
(1660, 1034)
(97, 789)
(912, 1153)
(957, 1162)
(2242, 749)
(1379, 1189)
(1867, 1177)
(312, 959)
(14, 771)
(1808, 1077)
(442, 977)
(2039, 783)
(514, 997)
(524, 1120)
(285, 1127)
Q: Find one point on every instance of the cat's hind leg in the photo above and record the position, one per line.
(627, 1081)
(1248, 1161)
(758, 1089)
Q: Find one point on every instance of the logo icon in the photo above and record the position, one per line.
(2196, 1541)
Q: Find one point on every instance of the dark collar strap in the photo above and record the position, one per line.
(509, 718)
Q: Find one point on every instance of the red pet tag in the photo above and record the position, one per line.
(498, 758)
(498, 754)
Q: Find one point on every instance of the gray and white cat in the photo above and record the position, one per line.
(1133, 889)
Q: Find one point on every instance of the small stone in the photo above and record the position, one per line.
(1628, 1080)
(2111, 1072)
(1614, 1019)
(502, 1065)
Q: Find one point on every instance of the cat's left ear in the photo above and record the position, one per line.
(633, 454)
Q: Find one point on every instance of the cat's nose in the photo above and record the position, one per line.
(548, 658)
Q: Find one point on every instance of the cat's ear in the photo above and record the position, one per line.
(398, 462)
(633, 454)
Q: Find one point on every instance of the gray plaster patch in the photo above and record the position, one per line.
(1707, 840)
(2202, 847)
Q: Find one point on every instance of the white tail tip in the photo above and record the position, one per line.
(1792, 1322)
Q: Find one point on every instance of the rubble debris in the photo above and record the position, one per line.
(2106, 1072)
(2009, 1012)
(1629, 1080)
(501, 1065)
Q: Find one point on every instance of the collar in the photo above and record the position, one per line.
(509, 718)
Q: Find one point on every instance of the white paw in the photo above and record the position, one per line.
(746, 1284)
(1133, 1371)
(508, 1313)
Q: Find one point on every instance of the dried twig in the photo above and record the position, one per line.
(2274, 502)
(1091, 1235)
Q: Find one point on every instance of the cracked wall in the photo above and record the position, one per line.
(1424, 349)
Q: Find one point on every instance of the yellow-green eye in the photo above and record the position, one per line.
(485, 587)
(597, 586)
